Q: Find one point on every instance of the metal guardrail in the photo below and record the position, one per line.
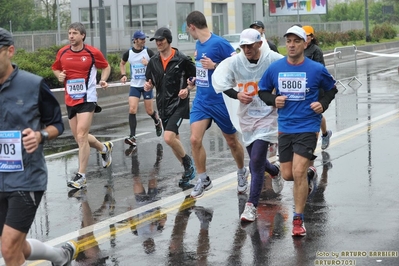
(346, 77)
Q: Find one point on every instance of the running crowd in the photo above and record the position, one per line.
(271, 99)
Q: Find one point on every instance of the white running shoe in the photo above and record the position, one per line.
(107, 156)
(325, 141)
(277, 181)
(249, 214)
(242, 181)
(201, 187)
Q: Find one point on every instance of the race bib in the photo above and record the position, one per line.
(292, 85)
(11, 151)
(201, 78)
(139, 71)
(76, 88)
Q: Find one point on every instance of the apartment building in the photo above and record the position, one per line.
(124, 17)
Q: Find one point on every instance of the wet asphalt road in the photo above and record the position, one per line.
(133, 213)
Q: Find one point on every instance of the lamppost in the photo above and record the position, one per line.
(58, 23)
(297, 10)
(366, 11)
(91, 23)
(101, 17)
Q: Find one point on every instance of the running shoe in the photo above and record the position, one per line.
(78, 182)
(70, 250)
(131, 141)
(185, 185)
(277, 181)
(189, 170)
(312, 179)
(204, 215)
(158, 128)
(129, 151)
(201, 187)
(107, 156)
(79, 194)
(325, 141)
(242, 181)
(326, 160)
(298, 227)
(249, 214)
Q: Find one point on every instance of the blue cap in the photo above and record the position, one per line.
(139, 35)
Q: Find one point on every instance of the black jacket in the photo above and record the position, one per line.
(272, 46)
(315, 53)
(169, 82)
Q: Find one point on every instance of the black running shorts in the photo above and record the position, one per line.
(303, 144)
(18, 209)
(80, 108)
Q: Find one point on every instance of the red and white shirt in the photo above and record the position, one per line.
(81, 71)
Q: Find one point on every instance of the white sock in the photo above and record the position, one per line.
(202, 176)
(241, 171)
(105, 149)
(83, 175)
(41, 251)
(24, 264)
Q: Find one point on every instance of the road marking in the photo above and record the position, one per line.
(339, 137)
(60, 154)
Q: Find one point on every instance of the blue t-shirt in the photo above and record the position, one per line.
(217, 49)
(300, 83)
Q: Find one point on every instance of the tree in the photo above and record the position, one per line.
(25, 16)
(19, 12)
(353, 10)
(50, 12)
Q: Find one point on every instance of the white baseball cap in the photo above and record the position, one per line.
(249, 36)
(298, 31)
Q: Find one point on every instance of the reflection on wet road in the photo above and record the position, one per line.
(134, 213)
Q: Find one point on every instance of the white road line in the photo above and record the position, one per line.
(229, 177)
(60, 154)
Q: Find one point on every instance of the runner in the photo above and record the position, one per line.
(169, 71)
(76, 67)
(209, 106)
(297, 80)
(257, 121)
(138, 57)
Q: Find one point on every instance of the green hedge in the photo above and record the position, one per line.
(40, 62)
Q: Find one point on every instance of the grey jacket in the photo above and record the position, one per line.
(27, 102)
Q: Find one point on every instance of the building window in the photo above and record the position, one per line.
(144, 18)
(248, 11)
(85, 20)
(182, 11)
(219, 19)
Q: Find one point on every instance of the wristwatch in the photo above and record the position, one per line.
(44, 135)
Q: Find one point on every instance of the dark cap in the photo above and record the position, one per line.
(5, 38)
(162, 33)
(257, 23)
(139, 35)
